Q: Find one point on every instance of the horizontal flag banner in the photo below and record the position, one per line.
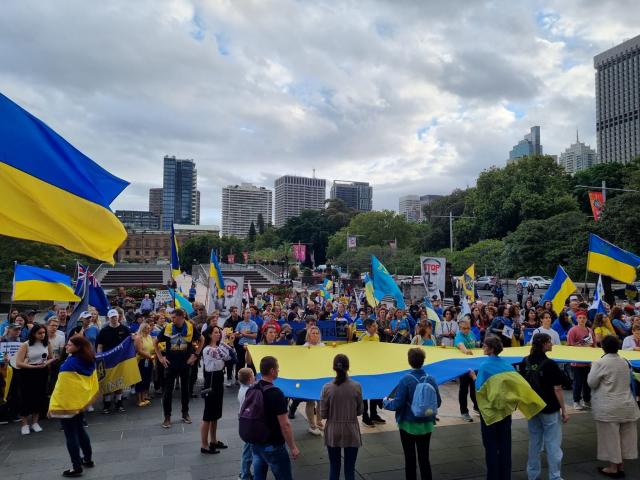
(35, 283)
(607, 259)
(379, 366)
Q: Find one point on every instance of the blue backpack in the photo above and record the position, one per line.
(425, 399)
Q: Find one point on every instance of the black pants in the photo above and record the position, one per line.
(581, 390)
(158, 376)
(496, 439)
(467, 386)
(411, 443)
(240, 352)
(370, 408)
(193, 377)
(77, 439)
(170, 375)
(229, 368)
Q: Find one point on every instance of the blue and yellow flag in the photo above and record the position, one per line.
(431, 312)
(368, 291)
(34, 283)
(607, 259)
(53, 193)
(180, 301)
(76, 388)
(216, 274)
(384, 284)
(326, 289)
(118, 368)
(175, 258)
(500, 390)
(468, 282)
(559, 290)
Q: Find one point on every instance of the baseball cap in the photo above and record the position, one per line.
(112, 313)
(14, 325)
(87, 314)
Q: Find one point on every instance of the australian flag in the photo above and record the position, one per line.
(97, 298)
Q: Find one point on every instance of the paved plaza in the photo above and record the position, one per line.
(132, 445)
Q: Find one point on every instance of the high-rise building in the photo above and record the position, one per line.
(294, 194)
(356, 195)
(618, 102)
(180, 196)
(577, 157)
(139, 219)
(527, 147)
(241, 205)
(409, 206)
(155, 201)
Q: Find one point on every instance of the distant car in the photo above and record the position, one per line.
(536, 280)
(486, 283)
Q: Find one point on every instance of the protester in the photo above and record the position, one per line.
(111, 335)
(246, 378)
(562, 325)
(465, 341)
(415, 432)
(57, 341)
(144, 357)
(581, 336)
(446, 329)
(615, 410)
(370, 415)
(425, 336)
(32, 359)
(246, 332)
(272, 454)
(546, 329)
(214, 355)
(231, 339)
(312, 409)
(602, 327)
(545, 429)
(67, 403)
(341, 404)
(632, 342)
(177, 358)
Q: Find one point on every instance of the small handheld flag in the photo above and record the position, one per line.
(559, 290)
(598, 298)
(384, 284)
(216, 274)
(607, 259)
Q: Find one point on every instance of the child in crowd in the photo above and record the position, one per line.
(246, 379)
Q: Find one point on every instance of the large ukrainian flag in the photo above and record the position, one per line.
(76, 388)
(559, 290)
(607, 259)
(175, 257)
(216, 274)
(34, 283)
(52, 193)
(118, 367)
(368, 291)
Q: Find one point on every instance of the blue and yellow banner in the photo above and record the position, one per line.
(216, 274)
(378, 366)
(559, 290)
(35, 283)
(76, 388)
(384, 284)
(368, 291)
(53, 193)
(607, 259)
(118, 367)
(175, 257)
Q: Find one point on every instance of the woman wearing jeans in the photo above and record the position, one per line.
(415, 433)
(341, 404)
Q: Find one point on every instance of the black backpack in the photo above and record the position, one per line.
(532, 373)
(253, 426)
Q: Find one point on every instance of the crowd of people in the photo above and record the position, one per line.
(172, 348)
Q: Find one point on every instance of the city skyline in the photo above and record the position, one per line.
(401, 98)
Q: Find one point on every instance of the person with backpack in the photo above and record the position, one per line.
(415, 400)
(264, 424)
(545, 428)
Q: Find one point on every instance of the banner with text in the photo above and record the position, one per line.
(433, 271)
(233, 288)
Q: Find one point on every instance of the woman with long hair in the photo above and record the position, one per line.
(424, 336)
(314, 339)
(340, 405)
(214, 355)
(531, 319)
(32, 360)
(145, 356)
(68, 401)
(602, 327)
(562, 325)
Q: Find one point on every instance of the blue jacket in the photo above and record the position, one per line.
(401, 402)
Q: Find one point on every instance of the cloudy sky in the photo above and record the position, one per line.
(412, 96)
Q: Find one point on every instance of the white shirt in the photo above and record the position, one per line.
(555, 338)
(57, 344)
(213, 358)
(630, 343)
(445, 327)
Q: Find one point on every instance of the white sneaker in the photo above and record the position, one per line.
(577, 406)
(585, 404)
(314, 431)
(36, 428)
(25, 430)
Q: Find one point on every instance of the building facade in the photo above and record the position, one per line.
(527, 147)
(149, 246)
(356, 195)
(577, 157)
(294, 194)
(155, 201)
(139, 219)
(180, 196)
(409, 207)
(241, 205)
(618, 102)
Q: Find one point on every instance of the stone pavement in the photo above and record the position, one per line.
(132, 445)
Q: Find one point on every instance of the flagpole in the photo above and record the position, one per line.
(206, 303)
(13, 288)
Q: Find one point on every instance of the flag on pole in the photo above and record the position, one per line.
(216, 274)
(175, 256)
(384, 284)
(468, 282)
(81, 306)
(97, 298)
(35, 283)
(52, 192)
(607, 259)
(559, 290)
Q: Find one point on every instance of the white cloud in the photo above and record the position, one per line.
(416, 97)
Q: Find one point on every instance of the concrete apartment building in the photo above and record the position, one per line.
(294, 194)
(241, 205)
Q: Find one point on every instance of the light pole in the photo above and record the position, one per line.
(451, 216)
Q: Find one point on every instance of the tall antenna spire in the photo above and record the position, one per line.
(314, 173)
(577, 139)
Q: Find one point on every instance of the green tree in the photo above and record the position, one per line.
(269, 239)
(198, 249)
(620, 220)
(436, 233)
(614, 174)
(486, 254)
(260, 222)
(252, 233)
(337, 213)
(311, 227)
